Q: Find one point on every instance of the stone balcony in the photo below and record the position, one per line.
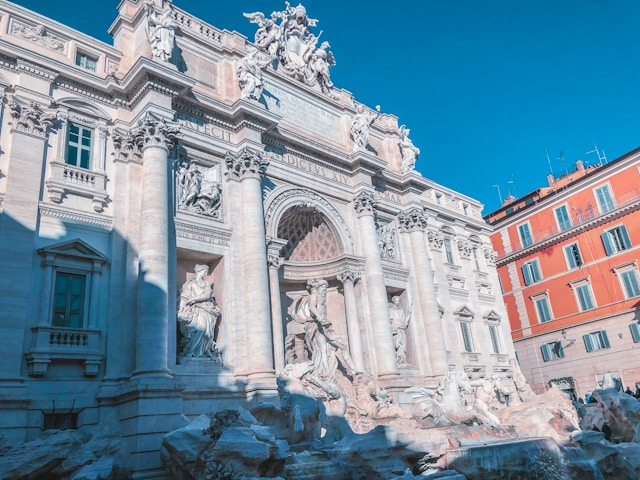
(67, 344)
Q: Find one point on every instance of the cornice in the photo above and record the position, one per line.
(191, 231)
(76, 216)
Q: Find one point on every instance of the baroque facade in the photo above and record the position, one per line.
(187, 213)
(568, 261)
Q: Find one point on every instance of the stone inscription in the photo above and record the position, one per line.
(387, 195)
(303, 164)
(203, 126)
(300, 112)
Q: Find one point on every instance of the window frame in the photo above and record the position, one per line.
(601, 206)
(621, 272)
(635, 332)
(82, 55)
(79, 146)
(530, 241)
(602, 342)
(448, 251)
(579, 287)
(531, 272)
(573, 259)
(563, 221)
(542, 298)
(84, 307)
(616, 242)
(552, 351)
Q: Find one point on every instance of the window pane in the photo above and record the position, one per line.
(562, 216)
(604, 198)
(466, 337)
(68, 308)
(493, 333)
(525, 235)
(630, 282)
(542, 306)
(72, 155)
(584, 297)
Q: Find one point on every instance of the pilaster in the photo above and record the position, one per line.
(348, 278)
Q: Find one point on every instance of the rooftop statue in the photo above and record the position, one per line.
(360, 128)
(409, 151)
(161, 31)
(285, 37)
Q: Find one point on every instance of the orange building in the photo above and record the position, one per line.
(568, 264)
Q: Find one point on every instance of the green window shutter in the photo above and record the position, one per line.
(605, 339)
(625, 236)
(608, 244)
(546, 354)
(588, 343)
(635, 332)
(526, 273)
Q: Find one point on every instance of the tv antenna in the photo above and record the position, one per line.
(546, 154)
(512, 184)
(499, 194)
(601, 158)
(561, 158)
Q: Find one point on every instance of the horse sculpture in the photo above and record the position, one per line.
(446, 404)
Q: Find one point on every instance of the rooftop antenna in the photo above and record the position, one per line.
(546, 154)
(601, 158)
(499, 194)
(561, 158)
(512, 182)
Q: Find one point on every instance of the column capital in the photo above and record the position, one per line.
(348, 275)
(364, 204)
(274, 245)
(490, 255)
(412, 220)
(435, 239)
(464, 248)
(31, 118)
(155, 132)
(248, 163)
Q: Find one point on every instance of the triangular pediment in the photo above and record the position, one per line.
(491, 315)
(464, 311)
(73, 248)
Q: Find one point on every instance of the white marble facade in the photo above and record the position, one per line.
(166, 201)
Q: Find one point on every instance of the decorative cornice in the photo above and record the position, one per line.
(348, 275)
(36, 70)
(364, 204)
(76, 216)
(248, 163)
(202, 234)
(412, 220)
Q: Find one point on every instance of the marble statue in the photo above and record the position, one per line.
(486, 390)
(409, 151)
(360, 128)
(325, 345)
(198, 191)
(198, 316)
(161, 31)
(249, 75)
(399, 324)
(447, 404)
(286, 39)
(386, 241)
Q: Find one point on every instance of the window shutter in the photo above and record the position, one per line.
(625, 236)
(608, 245)
(535, 271)
(526, 273)
(588, 342)
(635, 332)
(605, 339)
(561, 350)
(546, 354)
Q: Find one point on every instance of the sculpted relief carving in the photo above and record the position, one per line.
(198, 317)
(387, 241)
(286, 39)
(38, 34)
(198, 190)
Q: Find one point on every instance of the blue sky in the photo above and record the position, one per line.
(484, 86)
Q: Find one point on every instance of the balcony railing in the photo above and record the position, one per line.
(69, 344)
(582, 215)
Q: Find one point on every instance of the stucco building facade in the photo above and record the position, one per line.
(568, 263)
(168, 202)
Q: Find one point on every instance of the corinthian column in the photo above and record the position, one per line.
(275, 262)
(247, 168)
(376, 289)
(348, 278)
(414, 223)
(155, 138)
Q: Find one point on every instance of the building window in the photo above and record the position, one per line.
(531, 272)
(562, 217)
(635, 332)
(448, 251)
(493, 334)
(551, 351)
(543, 309)
(630, 283)
(616, 240)
(439, 198)
(85, 61)
(69, 300)
(476, 259)
(78, 145)
(596, 341)
(573, 256)
(584, 296)
(467, 339)
(604, 199)
(525, 235)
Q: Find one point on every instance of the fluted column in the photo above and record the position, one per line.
(348, 278)
(414, 223)
(376, 289)
(247, 168)
(155, 138)
(274, 261)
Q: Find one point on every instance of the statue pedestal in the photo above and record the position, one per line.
(201, 361)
